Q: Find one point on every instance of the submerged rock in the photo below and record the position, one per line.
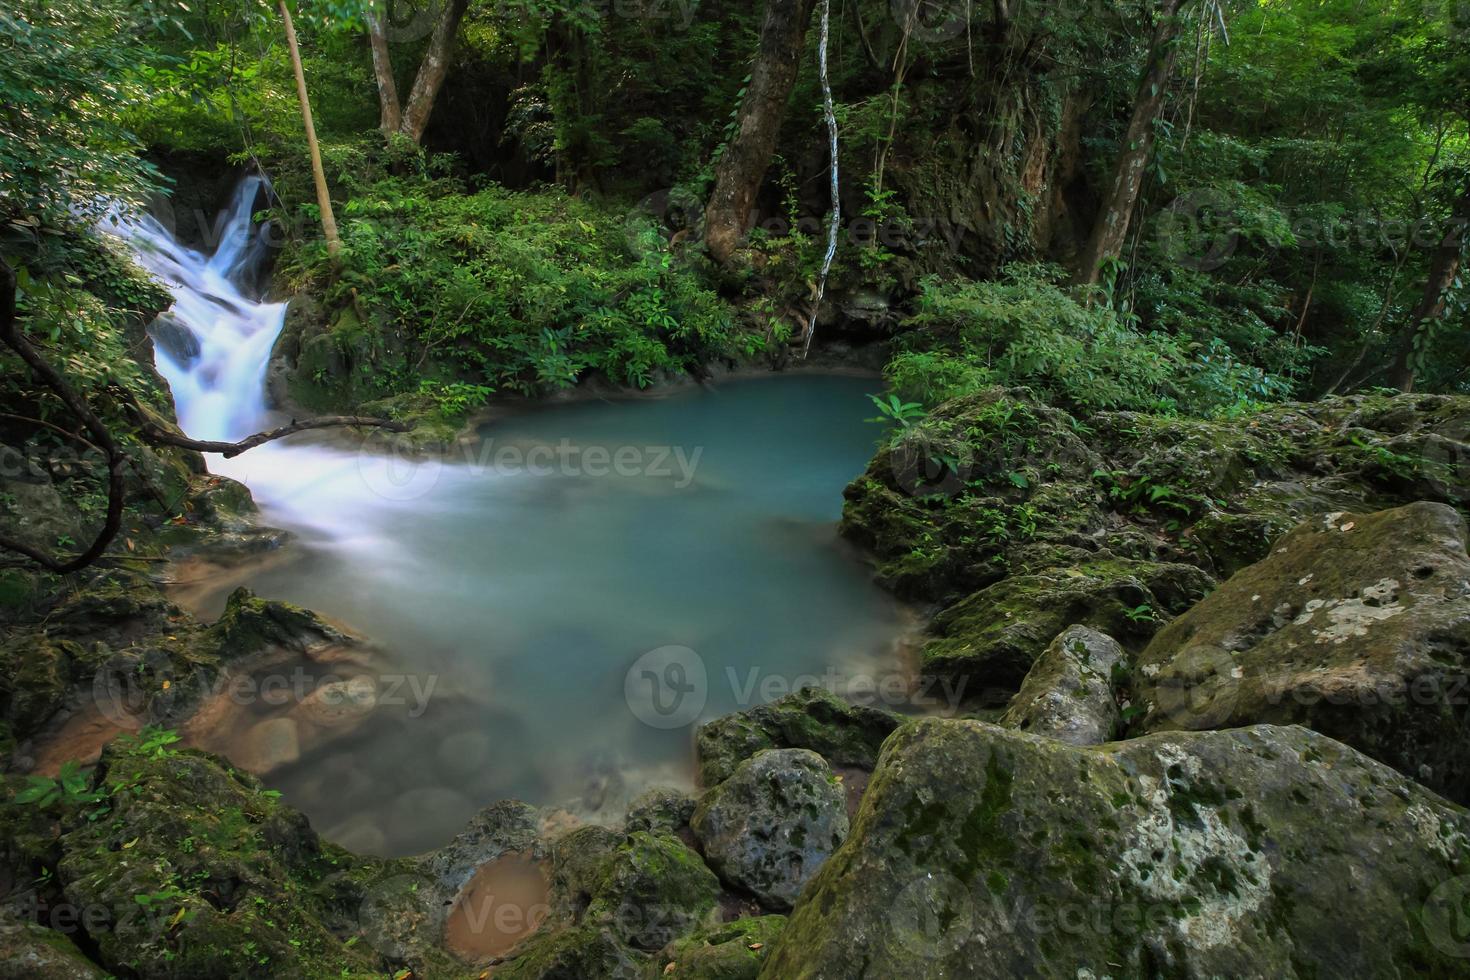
(812, 718)
(1068, 694)
(982, 852)
(768, 828)
(1356, 625)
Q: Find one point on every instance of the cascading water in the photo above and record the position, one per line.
(527, 609)
(215, 344)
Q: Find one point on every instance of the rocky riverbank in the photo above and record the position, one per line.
(1215, 724)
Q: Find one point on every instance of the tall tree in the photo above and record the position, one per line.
(1110, 228)
(323, 197)
(411, 118)
(1444, 275)
(391, 110)
(758, 123)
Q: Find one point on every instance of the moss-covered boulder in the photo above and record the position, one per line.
(731, 951)
(184, 867)
(768, 828)
(660, 810)
(985, 644)
(29, 951)
(580, 953)
(1069, 693)
(1265, 851)
(939, 506)
(812, 718)
(648, 888)
(1356, 625)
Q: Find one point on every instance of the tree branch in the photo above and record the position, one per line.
(159, 436)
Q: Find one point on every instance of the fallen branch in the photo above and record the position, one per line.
(149, 430)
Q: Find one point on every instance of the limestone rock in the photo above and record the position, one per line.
(1263, 852)
(648, 888)
(812, 718)
(989, 641)
(768, 828)
(1356, 625)
(1068, 694)
(730, 951)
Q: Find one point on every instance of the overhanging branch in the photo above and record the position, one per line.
(149, 430)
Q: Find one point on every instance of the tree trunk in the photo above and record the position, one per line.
(1444, 267)
(740, 171)
(323, 199)
(432, 70)
(1111, 225)
(390, 116)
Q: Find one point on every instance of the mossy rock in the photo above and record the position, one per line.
(812, 718)
(981, 852)
(648, 888)
(1069, 693)
(986, 644)
(660, 810)
(939, 506)
(250, 623)
(580, 953)
(35, 677)
(1356, 625)
(192, 870)
(29, 951)
(732, 951)
(768, 828)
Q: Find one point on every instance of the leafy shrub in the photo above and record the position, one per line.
(521, 291)
(1026, 330)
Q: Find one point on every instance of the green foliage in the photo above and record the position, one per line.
(68, 789)
(66, 70)
(895, 411)
(1025, 330)
(526, 292)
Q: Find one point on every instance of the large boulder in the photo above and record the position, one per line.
(812, 718)
(1069, 694)
(185, 867)
(768, 828)
(1266, 852)
(1356, 625)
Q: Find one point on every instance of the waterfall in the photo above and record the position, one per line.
(214, 345)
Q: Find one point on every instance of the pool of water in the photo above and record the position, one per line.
(560, 603)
